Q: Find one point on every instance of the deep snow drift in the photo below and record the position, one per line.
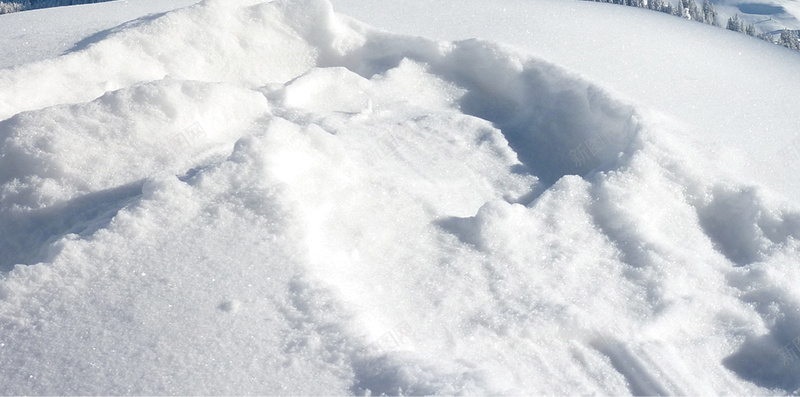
(270, 198)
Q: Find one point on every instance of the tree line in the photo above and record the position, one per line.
(7, 7)
(708, 14)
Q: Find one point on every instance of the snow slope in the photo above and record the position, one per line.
(46, 33)
(271, 198)
(766, 16)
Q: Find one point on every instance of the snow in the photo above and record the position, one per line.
(45, 33)
(692, 72)
(767, 16)
(245, 197)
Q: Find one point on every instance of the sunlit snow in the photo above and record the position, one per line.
(247, 197)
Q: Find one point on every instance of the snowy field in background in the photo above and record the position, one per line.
(46, 33)
(506, 197)
(766, 16)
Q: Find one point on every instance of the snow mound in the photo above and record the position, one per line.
(270, 198)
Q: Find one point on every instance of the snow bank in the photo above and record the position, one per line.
(47, 33)
(252, 45)
(270, 198)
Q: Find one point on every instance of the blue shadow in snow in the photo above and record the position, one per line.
(104, 34)
(26, 235)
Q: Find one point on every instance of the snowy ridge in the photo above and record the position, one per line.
(270, 198)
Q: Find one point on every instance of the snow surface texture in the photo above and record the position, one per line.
(270, 198)
(46, 33)
(734, 94)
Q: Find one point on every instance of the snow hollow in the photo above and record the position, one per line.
(246, 197)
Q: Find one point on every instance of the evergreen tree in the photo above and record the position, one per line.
(656, 5)
(789, 39)
(709, 13)
(7, 8)
(689, 10)
(766, 37)
(735, 24)
(21, 5)
(685, 8)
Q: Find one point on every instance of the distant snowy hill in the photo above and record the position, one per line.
(508, 197)
(767, 16)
